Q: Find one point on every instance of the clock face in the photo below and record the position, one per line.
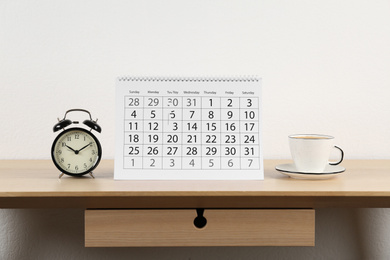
(76, 151)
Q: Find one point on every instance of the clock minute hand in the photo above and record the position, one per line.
(85, 147)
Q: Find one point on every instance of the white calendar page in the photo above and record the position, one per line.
(188, 129)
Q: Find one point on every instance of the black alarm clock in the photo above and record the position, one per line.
(76, 151)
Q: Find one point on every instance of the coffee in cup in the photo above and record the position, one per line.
(311, 152)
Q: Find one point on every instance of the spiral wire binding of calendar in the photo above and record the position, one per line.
(191, 79)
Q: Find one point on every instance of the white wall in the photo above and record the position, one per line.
(325, 68)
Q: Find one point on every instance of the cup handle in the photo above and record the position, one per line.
(342, 156)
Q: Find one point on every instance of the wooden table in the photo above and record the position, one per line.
(156, 213)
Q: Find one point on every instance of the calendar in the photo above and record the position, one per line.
(188, 129)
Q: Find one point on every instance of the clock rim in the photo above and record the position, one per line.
(93, 137)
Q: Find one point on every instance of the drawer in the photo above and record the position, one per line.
(213, 227)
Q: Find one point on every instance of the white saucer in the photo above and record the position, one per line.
(329, 172)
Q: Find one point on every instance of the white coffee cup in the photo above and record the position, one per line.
(311, 152)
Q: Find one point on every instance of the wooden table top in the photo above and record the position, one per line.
(35, 184)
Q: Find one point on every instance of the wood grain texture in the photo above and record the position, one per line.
(175, 228)
(35, 184)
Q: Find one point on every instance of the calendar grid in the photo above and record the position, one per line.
(233, 133)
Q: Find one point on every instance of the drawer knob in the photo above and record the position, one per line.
(200, 221)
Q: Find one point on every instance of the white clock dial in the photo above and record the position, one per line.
(76, 151)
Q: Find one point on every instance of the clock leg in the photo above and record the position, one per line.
(91, 173)
(62, 174)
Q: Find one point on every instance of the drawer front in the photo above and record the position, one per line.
(233, 227)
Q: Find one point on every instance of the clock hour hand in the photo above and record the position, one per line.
(76, 152)
(85, 147)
